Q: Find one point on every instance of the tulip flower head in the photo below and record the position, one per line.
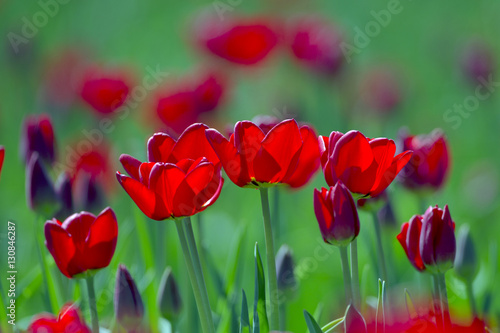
(69, 320)
(336, 214)
(129, 308)
(40, 193)
(169, 298)
(253, 158)
(63, 191)
(478, 62)
(380, 91)
(430, 162)
(354, 321)
(285, 269)
(466, 261)
(366, 166)
(37, 135)
(2, 156)
(83, 242)
(429, 240)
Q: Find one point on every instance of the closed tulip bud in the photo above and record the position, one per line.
(87, 193)
(129, 308)
(437, 240)
(169, 298)
(63, 191)
(354, 321)
(336, 214)
(38, 136)
(466, 264)
(40, 192)
(285, 268)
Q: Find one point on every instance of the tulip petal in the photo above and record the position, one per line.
(131, 165)
(78, 226)
(248, 141)
(165, 180)
(309, 159)
(398, 163)
(193, 144)
(2, 155)
(160, 146)
(60, 245)
(145, 173)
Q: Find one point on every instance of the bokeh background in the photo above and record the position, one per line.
(423, 48)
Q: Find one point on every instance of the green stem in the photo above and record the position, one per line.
(380, 248)
(444, 301)
(355, 274)
(197, 268)
(205, 323)
(92, 304)
(437, 302)
(345, 272)
(282, 317)
(274, 317)
(470, 296)
(276, 214)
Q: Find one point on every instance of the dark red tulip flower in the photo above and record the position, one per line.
(429, 240)
(64, 194)
(252, 158)
(208, 92)
(37, 135)
(366, 166)
(105, 91)
(430, 162)
(478, 62)
(336, 214)
(317, 45)
(87, 193)
(2, 156)
(129, 308)
(40, 193)
(83, 242)
(69, 320)
(244, 42)
(177, 110)
(171, 190)
(381, 90)
(94, 163)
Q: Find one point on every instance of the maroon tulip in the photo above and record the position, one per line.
(336, 214)
(83, 242)
(430, 163)
(38, 136)
(129, 308)
(478, 62)
(365, 166)
(63, 191)
(2, 156)
(241, 42)
(317, 45)
(40, 193)
(208, 92)
(69, 320)
(409, 238)
(380, 91)
(104, 91)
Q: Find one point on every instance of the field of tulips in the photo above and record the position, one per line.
(237, 166)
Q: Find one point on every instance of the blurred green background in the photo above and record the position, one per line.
(423, 43)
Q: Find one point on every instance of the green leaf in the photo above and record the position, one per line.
(235, 268)
(260, 321)
(410, 307)
(332, 325)
(244, 318)
(380, 304)
(312, 325)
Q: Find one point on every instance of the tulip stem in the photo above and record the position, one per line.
(271, 261)
(197, 268)
(205, 322)
(380, 248)
(92, 304)
(345, 271)
(355, 274)
(470, 296)
(437, 302)
(444, 301)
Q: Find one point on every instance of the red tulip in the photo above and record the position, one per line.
(252, 158)
(430, 163)
(37, 135)
(105, 91)
(244, 43)
(380, 91)
(40, 193)
(208, 92)
(177, 110)
(317, 45)
(478, 62)
(365, 166)
(409, 238)
(336, 214)
(2, 155)
(191, 144)
(82, 242)
(171, 190)
(69, 320)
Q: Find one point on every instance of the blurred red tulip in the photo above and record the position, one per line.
(82, 242)
(105, 91)
(317, 45)
(40, 193)
(365, 166)
(94, 164)
(430, 162)
(409, 238)
(381, 91)
(69, 320)
(244, 42)
(336, 214)
(2, 155)
(171, 190)
(37, 135)
(252, 158)
(478, 62)
(208, 91)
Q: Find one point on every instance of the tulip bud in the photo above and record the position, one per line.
(478, 62)
(38, 136)
(466, 265)
(437, 240)
(63, 191)
(129, 308)
(88, 195)
(285, 269)
(336, 214)
(169, 298)
(354, 321)
(40, 193)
